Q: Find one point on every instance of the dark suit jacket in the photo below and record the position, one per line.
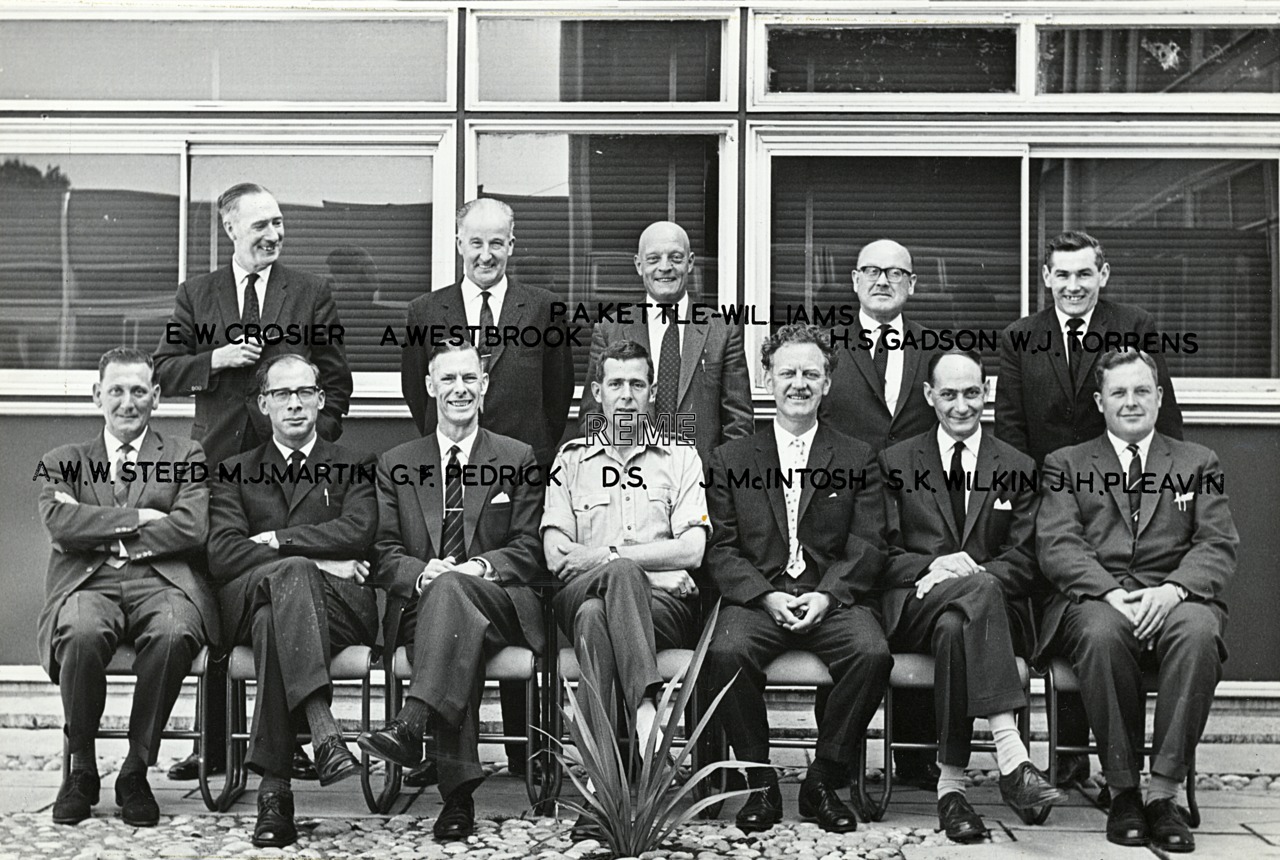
(999, 527)
(856, 406)
(840, 529)
(327, 519)
(714, 385)
(1036, 409)
(499, 524)
(530, 387)
(226, 400)
(82, 534)
(1086, 547)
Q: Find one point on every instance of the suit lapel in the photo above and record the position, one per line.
(151, 449)
(928, 457)
(910, 366)
(695, 337)
(431, 495)
(96, 451)
(513, 314)
(1100, 323)
(1159, 462)
(226, 298)
(271, 459)
(861, 359)
(980, 499)
(475, 497)
(1057, 350)
(1106, 462)
(320, 453)
(819, 458)
(274, 299)
(767, 463)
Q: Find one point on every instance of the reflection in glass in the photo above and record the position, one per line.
(88, 256)
(363, 222)
(1159, 60)
(549, 60)
(892, 59)
(1193, 241)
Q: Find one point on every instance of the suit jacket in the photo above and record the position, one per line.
(1037, 411)
(856, 405)
(840, 528)
(499, 524)
(714, 385)
(530, 387)
(83, 534)
(1086, 547)
(318, 519)
(998, 531)
(227, 400)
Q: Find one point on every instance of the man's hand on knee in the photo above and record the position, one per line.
(1154, 606)
(355, 569)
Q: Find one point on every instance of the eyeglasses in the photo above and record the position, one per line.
(893, 273)
(280, 396)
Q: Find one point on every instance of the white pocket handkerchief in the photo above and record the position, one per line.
(1002, 505)
(1184, 497)
(832, 496)
(500, 499)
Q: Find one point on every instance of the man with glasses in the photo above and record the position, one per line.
(289, 540)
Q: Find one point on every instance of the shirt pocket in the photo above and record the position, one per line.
(591, 514)
(662, 500)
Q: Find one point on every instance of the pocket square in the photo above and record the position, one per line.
(500, 499)
(832, 496)
(1184, 497)
(1002, 505)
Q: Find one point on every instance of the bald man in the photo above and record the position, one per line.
(700, 367)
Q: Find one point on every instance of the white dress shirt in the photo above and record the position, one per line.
(1065, 332)
(472, 301)
(305, 448)
(793, 454)
(657, 326)
(968, 458)
(113, 457)
(893, 370)
(260, 287)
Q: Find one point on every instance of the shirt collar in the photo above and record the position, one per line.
(285, 450)
(1144, 445)
(464, 445)
(654, 312)
(240, 272)
(1062, 319)
(871, 325)
(785, 436)
(946, 443)
(113, 444)
(471, 291)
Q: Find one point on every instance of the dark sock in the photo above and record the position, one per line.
(761, 777)
(827, 771)
(414, 714)
(274, 783)
(85, 758)
(320, 717)
(133, 762)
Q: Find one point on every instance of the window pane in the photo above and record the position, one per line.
(1159, 60)
(1192, 241)
(958, 216)
(327, 61)
(892, 60)
(582, 200)
(362, 221)
(550, 60)
(88, 256)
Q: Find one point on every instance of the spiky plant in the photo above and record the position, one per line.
(638, 816)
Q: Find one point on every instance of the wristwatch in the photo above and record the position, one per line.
(613, 554)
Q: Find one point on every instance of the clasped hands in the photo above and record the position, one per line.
(1146, 608)
(944, 567)
(798, 614)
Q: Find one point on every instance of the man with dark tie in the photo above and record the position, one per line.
(957, 553)
(458, 559)
(701, 366)
(1045, 397)
(799, 569)
(253, 291)
(289, 543)
(1139, 558)
(121, 572)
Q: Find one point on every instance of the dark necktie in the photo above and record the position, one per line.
(956, 488)
(1133, 484)
(1074, 350)
(451, 534)
(486, 325)
(120, 492)
(668, 370)
(252, 314)
(296, 459)
(881, 356)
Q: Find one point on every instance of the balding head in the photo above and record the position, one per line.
(882, 297)
(665, 261)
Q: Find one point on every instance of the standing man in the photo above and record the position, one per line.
(1139, 569)
(209, 350)
(458, 560)
(701, 366)
(291, 557)
(121, 571)
(1045, 399)
(625, 549)
(956, 556)
(798, 568)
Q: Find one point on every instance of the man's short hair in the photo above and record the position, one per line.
(1073, 240)
(623, 350)
(452, 345)
(265, 367)
(970, 354)
(465, 209)
(1119, 358)
(799, 333)
(125, 355)
(230, 198)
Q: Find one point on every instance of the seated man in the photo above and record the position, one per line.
(798, 569)
(121, 571)
(955, 556)
(457, 558)
(290, 552)
(622, 532)
(1135, 534)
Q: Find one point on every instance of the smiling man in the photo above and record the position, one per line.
(1139, 566)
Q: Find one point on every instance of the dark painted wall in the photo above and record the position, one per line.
(1250, 458)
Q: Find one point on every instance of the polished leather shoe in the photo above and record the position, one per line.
(762, 810)
(138, 807)
(1126, 822)
(457, 819)
(76, 797)
(1073, 769)
(1028, 788)
(423, 775)
(1168, 826)
(958, 819)
(189, 768)
(585, 828)
(819, 800)
(395, 742)
(275, 828)
(334, 762)
(303, 767)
